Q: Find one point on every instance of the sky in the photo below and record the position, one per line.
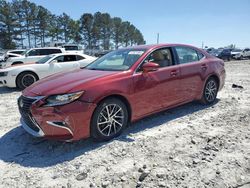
(216, 23)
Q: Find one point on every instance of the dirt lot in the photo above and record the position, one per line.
(189, 146)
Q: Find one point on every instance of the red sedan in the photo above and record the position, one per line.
(123, 86)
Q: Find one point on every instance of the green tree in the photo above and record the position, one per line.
(117, 31)
(86, 29)
(8, 23)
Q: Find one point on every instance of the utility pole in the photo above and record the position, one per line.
(158, 37)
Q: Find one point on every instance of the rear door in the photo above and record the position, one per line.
(158, 89)
(193, 66)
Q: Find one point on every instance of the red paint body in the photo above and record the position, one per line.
(145, 93)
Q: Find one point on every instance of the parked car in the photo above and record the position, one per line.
(32, 55)
(235, 53)
(25, 75)
(19, 51)
(224, 54)
(244, 54)
(12, 53)
(120, 87)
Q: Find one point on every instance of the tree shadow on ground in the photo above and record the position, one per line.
(19, 147)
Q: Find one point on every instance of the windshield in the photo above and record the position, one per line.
(45, 59)
(24, 52)
(118, 60)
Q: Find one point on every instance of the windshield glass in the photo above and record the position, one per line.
(24, 52)
(45, 59)
(118, 60)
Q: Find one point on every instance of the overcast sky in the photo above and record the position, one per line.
(215, 22)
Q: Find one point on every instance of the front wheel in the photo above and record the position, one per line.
(25, 79)
(210, 91)
(109, 119)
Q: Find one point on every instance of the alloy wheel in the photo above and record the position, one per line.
(211, 90)
(110, 120)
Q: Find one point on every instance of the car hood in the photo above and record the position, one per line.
(16, 58)
(65, 82)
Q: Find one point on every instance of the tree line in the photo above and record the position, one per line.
(23, 23)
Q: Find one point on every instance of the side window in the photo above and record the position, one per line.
(69, 58)
(200, 55)
(33, 53)
(60, 59)
(186, 55)
(44, 52)
(55, 51)
(78, 57)
(163, 57)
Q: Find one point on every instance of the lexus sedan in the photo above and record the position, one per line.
(123, 86)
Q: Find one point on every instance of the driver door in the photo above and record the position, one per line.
(157, 89)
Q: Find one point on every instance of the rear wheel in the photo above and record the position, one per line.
(210, 91)
(109, 119)
(26, 79)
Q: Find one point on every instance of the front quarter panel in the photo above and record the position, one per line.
(119, 84)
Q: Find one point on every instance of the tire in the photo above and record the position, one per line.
(109, 120)
(210, 91)
(26, 79)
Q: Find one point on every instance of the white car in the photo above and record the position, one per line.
(244, 54)
(12, 53)
(25, 75)
(31, 56)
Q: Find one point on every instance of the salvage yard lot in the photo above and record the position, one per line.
(189, 146)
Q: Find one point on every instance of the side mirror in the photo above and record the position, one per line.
(149, 67)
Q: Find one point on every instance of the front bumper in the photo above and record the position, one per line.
(8, 81)
(68, 122)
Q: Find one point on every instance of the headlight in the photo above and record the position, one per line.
(3, 74)
(56, 100)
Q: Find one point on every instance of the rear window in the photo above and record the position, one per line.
(78, 57)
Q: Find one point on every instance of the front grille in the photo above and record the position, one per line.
(24, 105)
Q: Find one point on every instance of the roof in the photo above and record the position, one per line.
(152, 46)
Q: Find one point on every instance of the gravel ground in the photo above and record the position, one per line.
(189, 146)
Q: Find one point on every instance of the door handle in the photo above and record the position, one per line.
(174, 73)
(204, 67)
